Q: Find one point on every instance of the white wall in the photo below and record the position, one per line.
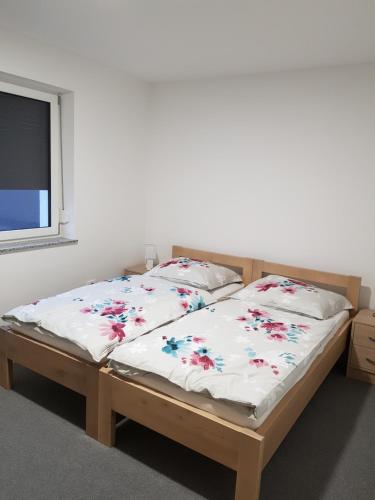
(275, 166)
(109, 133)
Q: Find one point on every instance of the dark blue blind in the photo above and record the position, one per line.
(25, 143)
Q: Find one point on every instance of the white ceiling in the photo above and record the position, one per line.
(160, 40)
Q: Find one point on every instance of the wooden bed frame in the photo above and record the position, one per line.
(239, 448)
(72, 371)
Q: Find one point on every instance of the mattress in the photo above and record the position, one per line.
(48, 337)
(240, 413)
(45, 337)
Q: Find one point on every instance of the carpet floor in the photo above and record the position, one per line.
(44, 453)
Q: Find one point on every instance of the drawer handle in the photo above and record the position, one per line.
(372, 339)
(370, 361)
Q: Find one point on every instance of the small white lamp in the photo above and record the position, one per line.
(150, 256)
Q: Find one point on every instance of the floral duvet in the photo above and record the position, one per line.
(232, 351)
(101, 316)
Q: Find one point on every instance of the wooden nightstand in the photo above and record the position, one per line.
(137, 269)
(361, 361)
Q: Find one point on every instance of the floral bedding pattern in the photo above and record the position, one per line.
(295, 296)
(286, 285)
(100, 316)
(184, 263)
(233, 351)
(195, 272)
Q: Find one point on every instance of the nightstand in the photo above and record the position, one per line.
(137, 269)
(361, 361)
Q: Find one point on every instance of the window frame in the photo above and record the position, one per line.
(55, 190)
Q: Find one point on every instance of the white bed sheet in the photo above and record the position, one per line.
(237, 413)
(50, 338)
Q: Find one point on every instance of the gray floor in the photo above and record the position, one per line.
(44, 454)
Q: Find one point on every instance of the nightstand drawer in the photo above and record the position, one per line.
(363, 358)
(364, 336)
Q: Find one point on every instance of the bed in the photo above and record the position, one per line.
(238, 447)
(61, 358)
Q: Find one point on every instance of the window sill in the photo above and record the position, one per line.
(21, 246)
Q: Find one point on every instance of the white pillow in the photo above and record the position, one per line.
(194, 272)
(294, 296)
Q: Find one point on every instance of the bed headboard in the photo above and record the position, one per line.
(342, 283)
(242, 265)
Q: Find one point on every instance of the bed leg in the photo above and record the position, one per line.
(92, 403)
(107, 417)
(6, 371)
(249, 469)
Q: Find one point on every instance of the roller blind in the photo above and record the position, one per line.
(25, 143)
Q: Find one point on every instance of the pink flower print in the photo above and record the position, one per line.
(257, 313)
(241, 318)
(149, 289)
(139, 321)
(184, 304)
(197, 360)
(184, 266)
(113, 310)
(264, 287)
(119, 309)
(107, 310)
(86, 310)
(194, 358)
(184, 291)
(289, 289)
(198, 340)
(275, 370)
(259, 363)
(277, 336)
(169, 263)
(118, 302)
(303, 327)
(276, 326)
(113, 330)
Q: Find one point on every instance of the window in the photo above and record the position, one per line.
(29, 163)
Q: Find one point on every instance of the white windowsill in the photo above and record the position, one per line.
(20, 246)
